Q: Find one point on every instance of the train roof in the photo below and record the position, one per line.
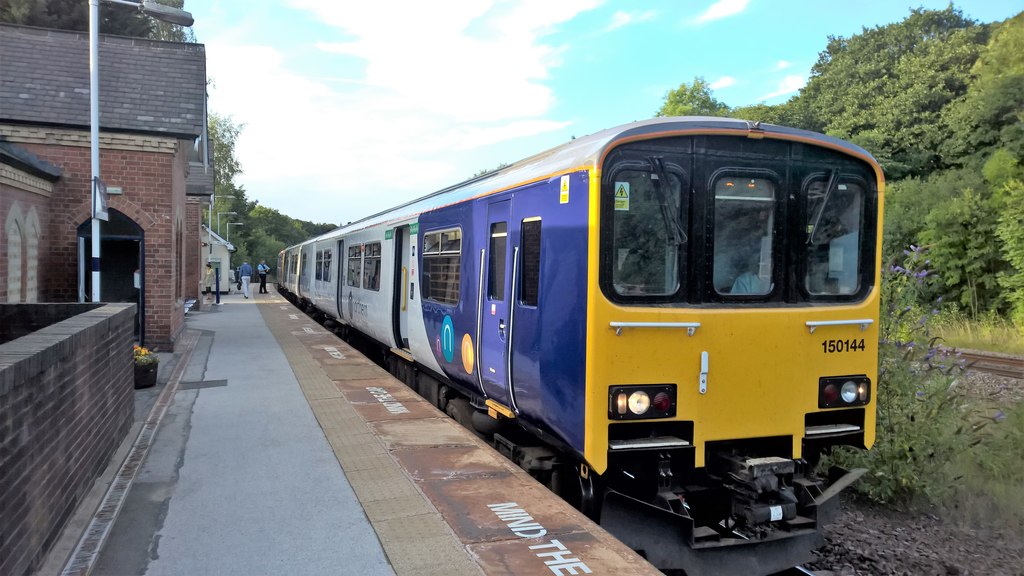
(583, 152)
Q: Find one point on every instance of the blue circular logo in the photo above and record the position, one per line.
(448, 338)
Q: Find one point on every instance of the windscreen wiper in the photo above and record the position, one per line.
(833, 180)
(671, 221)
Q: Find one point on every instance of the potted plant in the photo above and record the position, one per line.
(145, 367)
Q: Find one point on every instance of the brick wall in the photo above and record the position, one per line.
(26, 202)
(151, 172)
(66, 403)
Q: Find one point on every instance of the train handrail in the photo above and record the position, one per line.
(691, 327)
(863, 322)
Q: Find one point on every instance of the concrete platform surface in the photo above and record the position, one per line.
(279, 449)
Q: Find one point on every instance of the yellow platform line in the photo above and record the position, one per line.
(414, 535)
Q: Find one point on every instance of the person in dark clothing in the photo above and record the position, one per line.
(262, 270)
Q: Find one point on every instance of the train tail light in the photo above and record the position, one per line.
(843, 391)
(641, 402)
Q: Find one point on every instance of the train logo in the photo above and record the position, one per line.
(467, 353)
(448, 339)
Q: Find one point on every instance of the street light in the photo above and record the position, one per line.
(218, 220)
(149, 8)
(230, 224)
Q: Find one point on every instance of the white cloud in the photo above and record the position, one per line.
(620, 18)
(723, 82)
(722, 9)
(788, 85)
(341, 146)
(781, 65)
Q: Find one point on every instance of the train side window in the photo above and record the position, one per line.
(835, 218)
(371, 266)
(496, 265)
(304, 269)
(319, 264)
(328, 254)
(530, 277)
(355, 266)
(744, 224)
(648, 233)
(442, 261)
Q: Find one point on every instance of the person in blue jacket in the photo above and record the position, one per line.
(246, 272)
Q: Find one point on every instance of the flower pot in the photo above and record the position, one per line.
(145, 376)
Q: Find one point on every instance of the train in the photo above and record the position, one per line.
(667, 322)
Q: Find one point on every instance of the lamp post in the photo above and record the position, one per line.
(230, 224)
(218, 219)
(149, 8)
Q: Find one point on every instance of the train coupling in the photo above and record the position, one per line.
(761, 488)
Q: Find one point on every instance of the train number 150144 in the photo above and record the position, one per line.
(833, 346)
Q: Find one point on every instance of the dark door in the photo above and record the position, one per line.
(497, 293)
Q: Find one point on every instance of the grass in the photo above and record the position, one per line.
(989, 478)
(990, 333)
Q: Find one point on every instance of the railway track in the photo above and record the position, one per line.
(998, 364)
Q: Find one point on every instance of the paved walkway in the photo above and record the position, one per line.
(240, 479)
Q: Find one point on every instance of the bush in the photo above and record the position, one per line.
(924, 420)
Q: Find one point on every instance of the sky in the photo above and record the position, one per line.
(350, 107)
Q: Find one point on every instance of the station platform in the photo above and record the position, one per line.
(270, 446)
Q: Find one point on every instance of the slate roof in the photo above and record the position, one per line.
(14, 155)
(146, 86)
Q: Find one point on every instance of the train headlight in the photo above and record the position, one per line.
(639, 402)
(843, 391)
(636, 402)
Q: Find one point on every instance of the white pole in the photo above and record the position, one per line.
(94, 137)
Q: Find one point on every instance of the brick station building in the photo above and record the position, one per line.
(152, 147)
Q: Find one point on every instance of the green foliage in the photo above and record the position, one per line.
(74, 15)
(961, 235)
(885, 89)
(1002, 167)
(991, 114)
(1010, 231)
(692, 100)
(924, 421)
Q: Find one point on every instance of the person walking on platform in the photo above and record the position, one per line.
(246, 271)
(208, 281)
(262, 270)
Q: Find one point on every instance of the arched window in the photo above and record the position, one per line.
(31, 262)
(12, 228)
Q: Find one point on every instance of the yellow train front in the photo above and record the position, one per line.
(729, 346)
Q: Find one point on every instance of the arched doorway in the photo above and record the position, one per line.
(122, 264)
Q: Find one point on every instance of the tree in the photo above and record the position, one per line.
(961, 235)
(885, 89)
(991, 115)
(74, 15)
(1010, 231)
(692, 100)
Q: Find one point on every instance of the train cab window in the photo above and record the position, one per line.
(647, 222)
(442, 261)
(496, 266)
(530, 277)
(354, 276)
(835, 218)
(371, 266)
(744, 224)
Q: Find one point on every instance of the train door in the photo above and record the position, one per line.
(494, 304)
(403, 257)
(341, 278)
